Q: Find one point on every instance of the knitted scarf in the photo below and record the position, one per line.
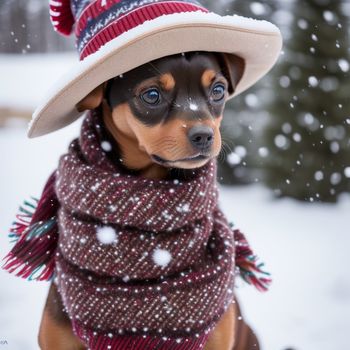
(139, 263)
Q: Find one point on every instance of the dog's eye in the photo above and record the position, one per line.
(218, 92)
(151, 96)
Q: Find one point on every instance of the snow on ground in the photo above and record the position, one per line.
(25, 166)
(25, 78)
(305, 247)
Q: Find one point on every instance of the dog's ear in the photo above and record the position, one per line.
(92, 100)
(232, 67)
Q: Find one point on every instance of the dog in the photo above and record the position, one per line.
(162, 118)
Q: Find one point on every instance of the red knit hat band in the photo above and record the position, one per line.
(91, 17)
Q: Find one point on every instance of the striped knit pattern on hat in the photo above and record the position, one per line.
(140, 260)
(99, 21)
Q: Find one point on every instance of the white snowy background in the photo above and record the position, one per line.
(304, 245)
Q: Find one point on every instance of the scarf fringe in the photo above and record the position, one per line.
(248, 266)
(24, 218)
(35, 234)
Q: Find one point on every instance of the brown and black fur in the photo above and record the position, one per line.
(178, 133)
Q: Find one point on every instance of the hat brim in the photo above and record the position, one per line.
(257, 42)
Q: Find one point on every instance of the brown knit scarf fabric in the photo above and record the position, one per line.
(140, 257)
(140, 264)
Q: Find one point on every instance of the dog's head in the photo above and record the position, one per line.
(171, 107)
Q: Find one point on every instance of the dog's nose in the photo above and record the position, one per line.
(201, 137)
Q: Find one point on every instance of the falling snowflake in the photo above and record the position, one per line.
(296, 137)
(344, 65)
(263, 152)
(185, 208)
(251, 100)
(161, 257)
(347, 172)
(334, 147)
(313, 81)
(287, 128)
(233, 158)
(328, 16)
(284, 81)
(193, 107)
(106, 235)
(106, 146)
(241, 151)
(281, 141)
(335, 178)
(257, 8)
(319, 175)
(126, 278)
(302, 24)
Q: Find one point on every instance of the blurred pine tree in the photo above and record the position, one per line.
(245, 117)
(25, 27)
(308, 138)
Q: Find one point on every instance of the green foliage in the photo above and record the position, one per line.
(309, 134)
(240, 161)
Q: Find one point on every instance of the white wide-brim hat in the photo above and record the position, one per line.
(257, 42)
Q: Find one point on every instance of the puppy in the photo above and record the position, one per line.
(162, 118)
